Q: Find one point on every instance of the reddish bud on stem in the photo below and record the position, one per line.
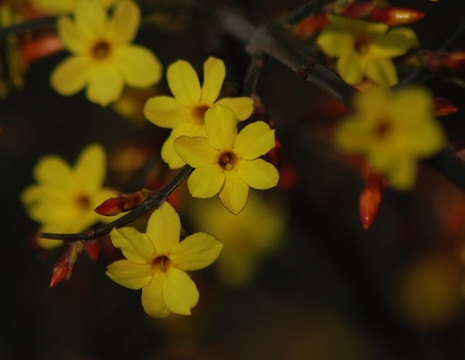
(123, 202)
(443, 107)
(451, 61)
(310, 25)
(63, 268)
(394, 16)
(41, 47)
(370, 199)
(358, 9)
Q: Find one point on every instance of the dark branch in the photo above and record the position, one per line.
(152, 202)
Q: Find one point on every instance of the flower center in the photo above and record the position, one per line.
(199, 113)
(101, 50)
(83, 202)
(383, 128)
(161, 263)
(227, 160)
(362, 43)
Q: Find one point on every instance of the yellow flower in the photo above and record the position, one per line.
(64, 198)
(394, 130)
(226, 162)
(103, 58)
(157, 261)
(184, 113)
(365, 49)
(248, 238)
(61, 6)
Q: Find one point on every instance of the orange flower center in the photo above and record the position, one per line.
(161, 263)
(101, 50)
(227, 160)
(83, 202)
(362, 43)
(199, 113)
(383, 128)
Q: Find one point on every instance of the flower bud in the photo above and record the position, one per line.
(309, 26)
(358, 9)
(63, 268)
(123, 202)
(370, 199)
(394, 16)
(443, 107)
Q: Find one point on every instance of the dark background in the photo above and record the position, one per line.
(333, 291)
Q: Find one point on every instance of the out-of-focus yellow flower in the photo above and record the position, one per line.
(393, 130)
(226, 162)
(248, 237)
(365, 49)
(184, 113)
(103, 58)
(157, 261)
(64, 198)
(61, 6)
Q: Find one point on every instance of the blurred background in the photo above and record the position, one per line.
(299, 278)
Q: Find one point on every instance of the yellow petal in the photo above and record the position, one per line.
(91, 18)
(54, 172)
(91, 167)
(130, 275)
(139, 65)
(206, 181)
(255, 140)
(258, 174)
(221, 127)
(195, 151)
(164, 229)
(153, 300)
(395, 43)
(71, 75)
(48, 244)
(352, 135)
(105, 85)
(335, 43)
(73, 39)
(166, 112)
(184, 83)
(234, 193)
(214, 72)
(196, 252)
(382, 71)
(135, 246)
(241, 106)
(179, 292)
(349, 67)
(168, 154)
(125, 22)
(403, 175)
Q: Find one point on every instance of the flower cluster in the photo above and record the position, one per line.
(64, 198)
(103, 58)
(365, 49)
(393, 130)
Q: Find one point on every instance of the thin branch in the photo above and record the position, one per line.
(152, 202)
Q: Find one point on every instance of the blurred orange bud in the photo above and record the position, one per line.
(443, 107)
(41, 47)
(92, 248)
(370, 199)
(358, 9)
(123, 202)
(310, 25)
(394, 16)
(63, 268)
(450, 61)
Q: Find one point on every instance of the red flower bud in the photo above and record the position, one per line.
(358, 9)
(41, 47)
(394, 16)
(443, 107)
(123, 202)
(370, 199)
(63, 268)
(310, 25)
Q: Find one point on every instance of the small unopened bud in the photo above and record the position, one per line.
(370, 199)
(309, 26)
(358, 9)
(123, 202)
(443, 107)
(41, 47)
(394, 16)
(63, 268)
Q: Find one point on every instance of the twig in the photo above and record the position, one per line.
(152, 202)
